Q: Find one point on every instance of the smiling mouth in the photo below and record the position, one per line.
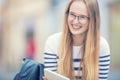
(76, 27)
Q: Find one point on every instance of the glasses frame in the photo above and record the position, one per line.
(81, 18)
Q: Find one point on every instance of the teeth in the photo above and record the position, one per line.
(76, 27)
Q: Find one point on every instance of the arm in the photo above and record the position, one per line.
(104, 60)
(50, 56)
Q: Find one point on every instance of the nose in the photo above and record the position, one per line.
(76, 21)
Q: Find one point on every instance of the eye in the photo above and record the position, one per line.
(83, 17)
(71, 14)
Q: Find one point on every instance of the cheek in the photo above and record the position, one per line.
(86, 27)
(69, 22)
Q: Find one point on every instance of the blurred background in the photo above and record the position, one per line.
(26, 24)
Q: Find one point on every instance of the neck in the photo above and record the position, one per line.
(78, 40)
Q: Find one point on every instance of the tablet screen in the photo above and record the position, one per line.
(54, 76)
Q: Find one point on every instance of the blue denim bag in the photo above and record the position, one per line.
(31, 70)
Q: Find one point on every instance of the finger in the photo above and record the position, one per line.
(45, 78)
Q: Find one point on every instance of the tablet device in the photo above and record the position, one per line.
(54, 76)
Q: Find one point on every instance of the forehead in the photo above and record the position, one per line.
(79, 7)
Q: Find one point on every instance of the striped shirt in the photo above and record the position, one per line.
(51, 55)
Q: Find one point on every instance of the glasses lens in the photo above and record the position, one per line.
(82, 19)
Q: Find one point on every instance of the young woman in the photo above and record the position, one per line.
(79, 52)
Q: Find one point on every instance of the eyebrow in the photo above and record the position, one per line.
(71, 12)
(76, 14)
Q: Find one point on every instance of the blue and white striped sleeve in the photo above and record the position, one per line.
(50, 56)
(104, 59)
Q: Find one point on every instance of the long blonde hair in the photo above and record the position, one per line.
(91, 47)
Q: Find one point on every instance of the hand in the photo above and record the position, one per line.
(45, 78)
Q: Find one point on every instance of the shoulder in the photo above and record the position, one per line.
(104, 47)
(53, 39)
(52, 43)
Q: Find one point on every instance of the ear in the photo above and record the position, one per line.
(67, 12)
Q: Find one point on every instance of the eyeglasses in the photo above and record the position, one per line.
(82, 19)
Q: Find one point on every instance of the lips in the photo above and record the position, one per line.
(76, 27)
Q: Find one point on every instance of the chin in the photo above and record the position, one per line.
(76, 33)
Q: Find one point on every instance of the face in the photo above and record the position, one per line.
(78, 18)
